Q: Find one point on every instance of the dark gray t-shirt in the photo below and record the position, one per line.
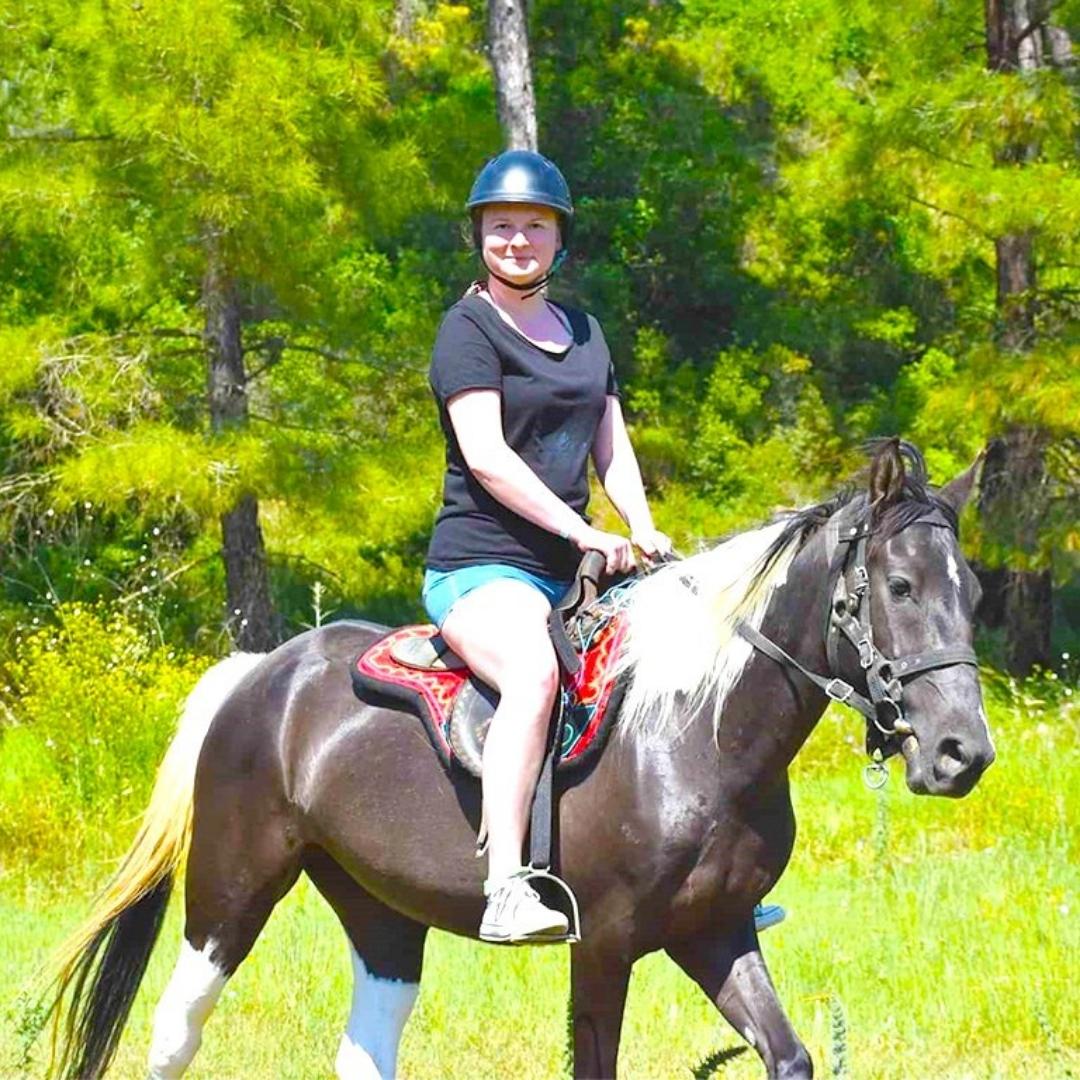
(552, 404)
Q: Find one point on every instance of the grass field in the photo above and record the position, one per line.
(926, 938)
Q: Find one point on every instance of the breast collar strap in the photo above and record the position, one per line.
(849, 617)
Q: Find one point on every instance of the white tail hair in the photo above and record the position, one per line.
(165, 832)
(680, 647)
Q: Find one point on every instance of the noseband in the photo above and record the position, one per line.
(849, 617)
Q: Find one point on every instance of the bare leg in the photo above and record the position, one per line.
(500, 629)
(598, 984)
(733, 974)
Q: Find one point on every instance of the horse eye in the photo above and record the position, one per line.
(899, 587)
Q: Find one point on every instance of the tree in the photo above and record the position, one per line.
(1020, 41)
(233, 148)
(508, 45)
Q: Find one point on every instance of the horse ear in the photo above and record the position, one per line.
(886, 475)
(958, 490)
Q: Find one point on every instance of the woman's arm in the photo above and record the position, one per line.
(477, 420)
(617, 467)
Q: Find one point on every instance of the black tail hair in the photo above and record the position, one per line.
(103, 990)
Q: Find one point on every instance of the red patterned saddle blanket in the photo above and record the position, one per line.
(456, 707)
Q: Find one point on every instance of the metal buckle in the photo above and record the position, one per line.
(866, 653)
(842, 694)
(862, 580)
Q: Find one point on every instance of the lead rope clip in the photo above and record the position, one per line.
(876, 774)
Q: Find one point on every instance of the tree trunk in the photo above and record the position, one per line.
(406, 12)
(508, 46)
(247, 582)
(247, 585)
(1015, 291)
(1014, 499)
(1014, 44)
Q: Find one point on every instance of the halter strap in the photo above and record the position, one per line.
(849, 616)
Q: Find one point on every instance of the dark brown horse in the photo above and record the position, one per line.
(668, 839)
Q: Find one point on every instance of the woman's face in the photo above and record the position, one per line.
(519, 241)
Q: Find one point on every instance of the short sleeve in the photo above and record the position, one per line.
(612, 384)
(463, 358)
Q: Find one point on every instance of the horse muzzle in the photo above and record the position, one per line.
(948, 765)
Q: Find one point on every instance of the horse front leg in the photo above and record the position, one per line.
(732, 972)
(598, 984)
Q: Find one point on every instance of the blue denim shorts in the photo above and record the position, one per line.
(444, 588)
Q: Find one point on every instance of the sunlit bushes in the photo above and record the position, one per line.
(90, 701)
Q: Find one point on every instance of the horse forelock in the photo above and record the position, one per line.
(681, 650)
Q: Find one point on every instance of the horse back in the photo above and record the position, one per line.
(282, 710)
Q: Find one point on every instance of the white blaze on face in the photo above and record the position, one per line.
(380, 1007)
(954, 572)
(192, 992)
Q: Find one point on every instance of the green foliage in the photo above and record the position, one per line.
(90, 701)
(786, 222)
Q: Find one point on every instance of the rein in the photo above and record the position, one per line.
(849, 617)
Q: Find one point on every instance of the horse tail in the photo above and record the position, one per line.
(103, 962)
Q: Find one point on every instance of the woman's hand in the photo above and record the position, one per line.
(654, 545)
(618, 552)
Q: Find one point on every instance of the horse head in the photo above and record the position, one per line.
(922, 598)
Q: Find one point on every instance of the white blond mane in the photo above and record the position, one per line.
(680, 648)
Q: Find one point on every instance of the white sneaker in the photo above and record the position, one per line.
(516, 915)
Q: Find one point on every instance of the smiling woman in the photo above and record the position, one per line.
(526, 392)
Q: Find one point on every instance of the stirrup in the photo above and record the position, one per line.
(573, 934)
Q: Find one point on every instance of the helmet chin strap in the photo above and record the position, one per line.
(531, 288)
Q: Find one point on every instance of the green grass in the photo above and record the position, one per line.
(942, 936)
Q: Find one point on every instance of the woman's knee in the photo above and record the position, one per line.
(535, 678)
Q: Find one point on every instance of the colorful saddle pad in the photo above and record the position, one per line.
(589, 698)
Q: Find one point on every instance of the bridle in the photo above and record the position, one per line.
(849, 618)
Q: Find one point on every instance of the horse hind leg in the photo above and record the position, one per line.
(380, 1007)
(193, 990)
(238, 869)
(387, 953)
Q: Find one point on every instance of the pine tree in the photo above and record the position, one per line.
(233, 149)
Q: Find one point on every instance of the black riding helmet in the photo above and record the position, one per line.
(523, 176)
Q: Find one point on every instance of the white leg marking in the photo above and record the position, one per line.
(192, 992)
(380, 1008)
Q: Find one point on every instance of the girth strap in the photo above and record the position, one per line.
(581, 593)
(543, 806)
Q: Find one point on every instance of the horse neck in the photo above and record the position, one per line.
(756, 743)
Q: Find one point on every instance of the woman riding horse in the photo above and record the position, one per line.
(526, 393)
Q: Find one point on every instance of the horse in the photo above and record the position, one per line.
(668, 838)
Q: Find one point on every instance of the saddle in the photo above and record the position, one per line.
(414, 668)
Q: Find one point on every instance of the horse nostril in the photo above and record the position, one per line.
(952, 758)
